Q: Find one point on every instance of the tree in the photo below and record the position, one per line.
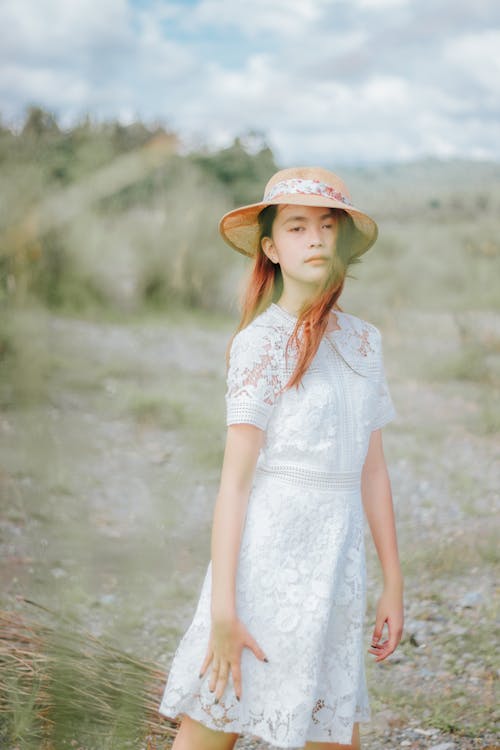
(39, 122)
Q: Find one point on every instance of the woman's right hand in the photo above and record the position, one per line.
(228, 637)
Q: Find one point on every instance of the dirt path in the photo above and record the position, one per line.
(109, 479)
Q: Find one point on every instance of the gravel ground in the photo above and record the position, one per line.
(439, 689)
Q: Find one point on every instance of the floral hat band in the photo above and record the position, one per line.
(307, 186)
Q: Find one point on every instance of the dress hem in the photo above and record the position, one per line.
(363, 718)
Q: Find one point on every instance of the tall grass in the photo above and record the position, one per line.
(113, 218)
(166, 254)
(62, 687)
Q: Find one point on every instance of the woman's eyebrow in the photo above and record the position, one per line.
(304, 218)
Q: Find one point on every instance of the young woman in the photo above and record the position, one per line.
(275, 649)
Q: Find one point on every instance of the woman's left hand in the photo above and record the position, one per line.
(389, 610)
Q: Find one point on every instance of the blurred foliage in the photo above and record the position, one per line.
(98, 419)
(244, 167)
(62, 687)
(106, 216)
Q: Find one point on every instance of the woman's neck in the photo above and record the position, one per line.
(293, 308)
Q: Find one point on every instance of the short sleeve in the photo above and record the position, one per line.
(251, 379)
(384, 407)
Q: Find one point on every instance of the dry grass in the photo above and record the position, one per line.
(60, 684)
(452, 555)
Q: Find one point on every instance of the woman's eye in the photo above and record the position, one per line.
(328, 226)
(296, 229)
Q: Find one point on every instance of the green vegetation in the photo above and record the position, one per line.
(118, 298)
(447, 557)
(463, 708)
(60, 686)
(107, 216)
(115, 217)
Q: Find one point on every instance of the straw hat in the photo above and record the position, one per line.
(304, 186)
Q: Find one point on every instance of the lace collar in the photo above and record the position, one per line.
(355, 340)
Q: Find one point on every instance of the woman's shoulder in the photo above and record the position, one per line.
(260, 344)
(265, 328)
(271, 329)
(361, 324)
(359, 342)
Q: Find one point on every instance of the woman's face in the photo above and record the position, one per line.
(303, 243)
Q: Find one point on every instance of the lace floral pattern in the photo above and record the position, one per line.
(306, 187)
(301, 579)
(252, 379)
(385, 410)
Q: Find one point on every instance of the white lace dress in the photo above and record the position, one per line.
(301, 578)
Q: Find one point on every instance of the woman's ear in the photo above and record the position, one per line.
(268, 249)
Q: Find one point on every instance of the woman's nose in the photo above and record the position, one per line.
(314, 237)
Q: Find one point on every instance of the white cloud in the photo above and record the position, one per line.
(477, 57)
(87, 56)
(382, 4)
(43, 84)
(323, 78)
(159, 56)
(282, 17)
(52, 30)
(327, 120)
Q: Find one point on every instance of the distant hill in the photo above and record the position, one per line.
(121, 216)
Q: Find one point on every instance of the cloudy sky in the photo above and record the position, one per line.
(326, 81)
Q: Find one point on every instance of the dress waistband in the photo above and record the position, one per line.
(306, 477)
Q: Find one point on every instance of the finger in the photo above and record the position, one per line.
(394, 638)
(385, 650)
(254, 646)
(376, 645)
(236, 672)
(214, 674)
(221, 681)
(206, 661)
(382, 656)
(391, 641)
(378, 648)
(379, 655)
(377, 631)
(395, 633)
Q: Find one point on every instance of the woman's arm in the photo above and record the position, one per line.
(377, 502)
(228, 634)
(243, 443)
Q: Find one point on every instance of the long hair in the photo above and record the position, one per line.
(265, 285)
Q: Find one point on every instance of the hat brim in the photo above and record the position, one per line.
(240, 227)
